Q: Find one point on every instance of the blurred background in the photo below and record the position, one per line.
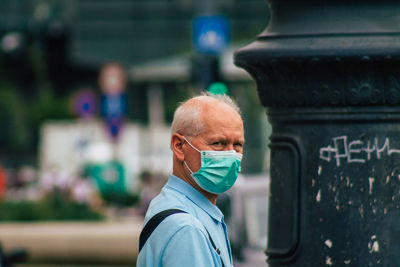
(87, 93)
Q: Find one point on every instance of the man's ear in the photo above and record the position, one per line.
(177, 141)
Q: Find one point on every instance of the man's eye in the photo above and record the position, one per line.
(217, 144)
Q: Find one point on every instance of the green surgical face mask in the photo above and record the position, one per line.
(218, 171)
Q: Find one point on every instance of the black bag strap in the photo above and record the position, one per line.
(215, 247)
(152, 224)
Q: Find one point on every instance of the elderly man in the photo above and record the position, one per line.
(183, 225)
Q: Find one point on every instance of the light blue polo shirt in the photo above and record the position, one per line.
(181, 239)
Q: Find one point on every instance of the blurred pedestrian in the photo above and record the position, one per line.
(207, 144)
(3, 182)
(147, 193)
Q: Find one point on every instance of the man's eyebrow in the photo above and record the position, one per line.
(217, 139)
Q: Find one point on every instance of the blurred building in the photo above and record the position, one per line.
(92, 32)
(70, 146)
(50, 49)
(63, 44)
(135, 31)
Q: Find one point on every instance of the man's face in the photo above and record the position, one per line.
(223, 131)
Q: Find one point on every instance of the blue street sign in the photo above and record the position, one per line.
(114, 109)
(113, 105)
(211, 34)
(84, 103)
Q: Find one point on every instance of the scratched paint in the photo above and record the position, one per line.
(328, 243)
(328, 261)
(348, 181)
(373, 246)
(318, 197)
(371, 184)
(366, 194)
(361, 210)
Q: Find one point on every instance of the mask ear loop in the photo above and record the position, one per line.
(187, 166)
(191, 144)
(184, 162)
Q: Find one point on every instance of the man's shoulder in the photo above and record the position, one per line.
(178, 225)
(177, 221)
(188, 219)
(169, 199)
(177, 233)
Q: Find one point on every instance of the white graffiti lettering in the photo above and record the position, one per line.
(355, 151)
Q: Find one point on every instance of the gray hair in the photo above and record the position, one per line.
(187, 118)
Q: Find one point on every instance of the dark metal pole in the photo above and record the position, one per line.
(329, 74)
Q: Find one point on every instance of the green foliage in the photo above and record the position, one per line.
(20, 117)
(47, 106)
(172, 98)
(54, 209)
(121, 200)
(12, 120)
(20, 120)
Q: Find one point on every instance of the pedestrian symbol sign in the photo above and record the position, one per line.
(211, 34)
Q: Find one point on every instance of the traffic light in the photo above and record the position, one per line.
(211, 36)
(205, 71)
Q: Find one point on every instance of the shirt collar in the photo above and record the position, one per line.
(195, 196)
